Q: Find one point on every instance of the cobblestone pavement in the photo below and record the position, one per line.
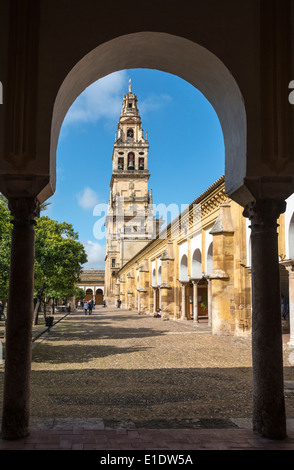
(119, 380)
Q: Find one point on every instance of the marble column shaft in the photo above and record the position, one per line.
(268, 385)
(18, 347)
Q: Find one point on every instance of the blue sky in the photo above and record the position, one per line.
(186, 149)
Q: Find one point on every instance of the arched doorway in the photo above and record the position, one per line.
(99, 297)
(89, 294)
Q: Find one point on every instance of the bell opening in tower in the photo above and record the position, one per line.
(131, 161)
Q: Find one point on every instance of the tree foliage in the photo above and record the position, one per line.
(5, 244)
(80, 293)
(58, 258)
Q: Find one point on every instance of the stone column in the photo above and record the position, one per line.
(184, 314)
(269, 419)
(289, 265)
(16, 401)
(195, 301)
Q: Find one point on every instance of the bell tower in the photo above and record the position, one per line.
(130, 223)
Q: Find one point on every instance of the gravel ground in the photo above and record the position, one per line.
(118, 365)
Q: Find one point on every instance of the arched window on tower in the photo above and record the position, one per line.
(130, 133)
(141, 163)
(131, 161)
(120, 164)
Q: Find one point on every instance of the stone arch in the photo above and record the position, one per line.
(89, 294)
(209, 259)
(196, 264)
(159, 275)
(291, 238)
(184, 268)
(99, 296)
(168, 53)
(153, 276)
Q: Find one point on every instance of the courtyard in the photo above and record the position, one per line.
(122, 367)
(119, 380)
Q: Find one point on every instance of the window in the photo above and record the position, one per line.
(113, 262)
(141, 163)
(120, 164)
(131, 161)
(130, 133)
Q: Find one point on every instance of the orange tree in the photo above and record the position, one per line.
(59, 257)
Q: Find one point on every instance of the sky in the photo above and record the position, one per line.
(186, 149)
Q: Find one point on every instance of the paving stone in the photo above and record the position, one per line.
(145, 403)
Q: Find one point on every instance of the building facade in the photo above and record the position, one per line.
(199, 266)
(92, 282)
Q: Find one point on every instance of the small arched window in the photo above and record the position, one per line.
(130, 133)
(120, 164)
(131, 161)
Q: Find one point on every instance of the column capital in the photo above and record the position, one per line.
(24, 210)
(263, 213)
(289, 265)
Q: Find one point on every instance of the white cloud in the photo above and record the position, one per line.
(88, 198)
(102, 99)
(154, 102)
(96, 255)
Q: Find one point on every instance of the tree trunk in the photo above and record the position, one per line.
(36, 312)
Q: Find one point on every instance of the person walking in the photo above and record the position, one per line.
(86, 307)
